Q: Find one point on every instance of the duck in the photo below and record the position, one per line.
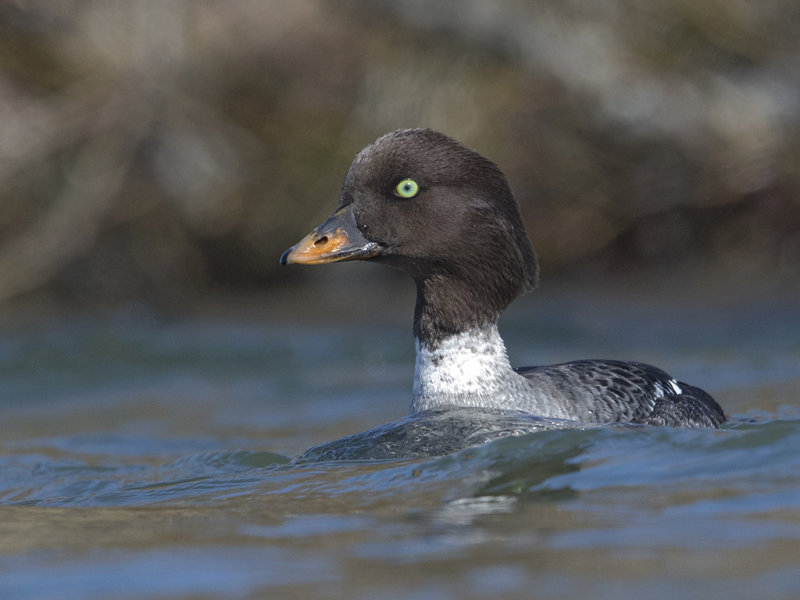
(422, 202)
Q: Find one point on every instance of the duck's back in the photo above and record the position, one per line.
(610, 391)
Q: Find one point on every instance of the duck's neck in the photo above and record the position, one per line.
(461, 359)
(447, 306)
(466, 369)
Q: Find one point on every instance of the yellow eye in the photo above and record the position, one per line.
(408, 188)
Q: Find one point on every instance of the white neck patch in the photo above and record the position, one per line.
(466, 369)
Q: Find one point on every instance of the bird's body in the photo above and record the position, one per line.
(420, 201)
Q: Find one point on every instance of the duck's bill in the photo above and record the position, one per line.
(336, 239)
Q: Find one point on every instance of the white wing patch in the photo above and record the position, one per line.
(674, 389)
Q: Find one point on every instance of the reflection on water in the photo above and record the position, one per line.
(144, 458)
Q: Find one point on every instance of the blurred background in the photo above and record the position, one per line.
(168, 152)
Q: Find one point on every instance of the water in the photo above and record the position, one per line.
(151, 457)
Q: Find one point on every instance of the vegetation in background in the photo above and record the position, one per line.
(159, 150)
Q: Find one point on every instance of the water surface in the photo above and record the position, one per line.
(151, 457)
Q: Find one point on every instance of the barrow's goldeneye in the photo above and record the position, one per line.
(420, 201)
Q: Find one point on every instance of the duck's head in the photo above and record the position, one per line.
(420, 201)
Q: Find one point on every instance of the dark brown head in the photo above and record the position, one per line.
(420, 201)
